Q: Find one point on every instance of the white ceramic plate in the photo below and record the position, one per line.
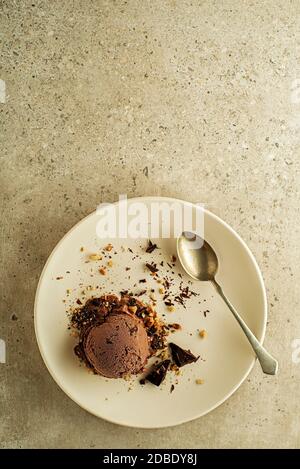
(226, 357)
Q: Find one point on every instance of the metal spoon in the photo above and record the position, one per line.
(200, 261)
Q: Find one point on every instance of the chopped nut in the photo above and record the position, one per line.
(174, 367)
(171, 309)
(164, 354)
(102, 271)
(95, 257)
(81, 249)
(69, 291)
(108, 247)
(153, 297)
(203, 334)
(199, 381)
(132, 309)
(110, 263)
(161, 290)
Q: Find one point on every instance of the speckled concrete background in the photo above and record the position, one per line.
(193, 99)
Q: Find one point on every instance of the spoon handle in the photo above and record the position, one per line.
(268, 363)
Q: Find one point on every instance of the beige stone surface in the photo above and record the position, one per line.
(192, 99)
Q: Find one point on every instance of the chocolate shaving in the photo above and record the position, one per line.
(180, 356)
(151, 246)
(168, 303)
(152, 267)
(142, 292)
(178, 299)
(174, 326)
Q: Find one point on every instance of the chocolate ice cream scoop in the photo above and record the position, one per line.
(118, 346)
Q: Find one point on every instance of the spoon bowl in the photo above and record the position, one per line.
(197, 257)
(200, 261)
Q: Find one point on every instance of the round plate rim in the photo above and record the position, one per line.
(247, 372)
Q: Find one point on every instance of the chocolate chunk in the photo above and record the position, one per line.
(157, 341)
(158, 373)
(180, 356)
(172, 388)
